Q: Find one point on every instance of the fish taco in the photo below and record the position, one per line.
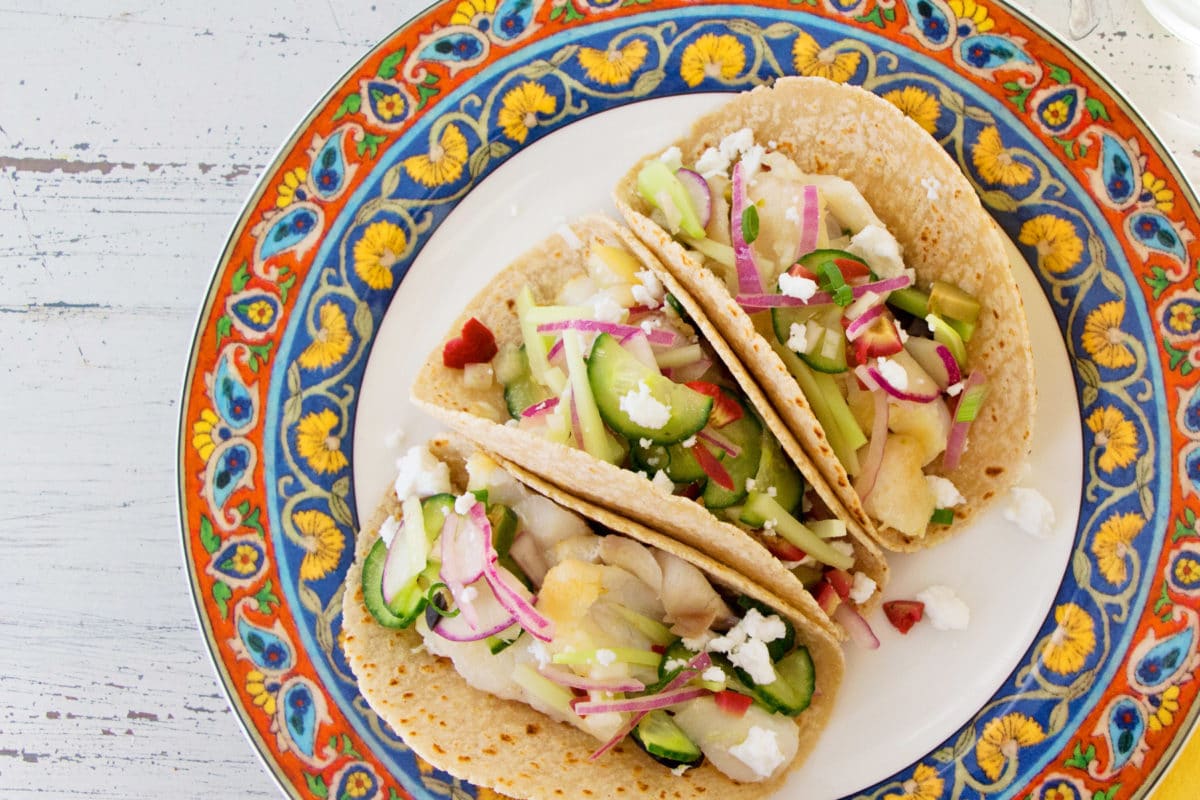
(523, 647)
(850, 266)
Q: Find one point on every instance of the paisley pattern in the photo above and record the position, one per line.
(279, 354)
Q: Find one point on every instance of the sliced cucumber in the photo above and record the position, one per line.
(796, 669)
(435, 509)
(404, 607)
(659, 187)
(498, 644)
(666, 743)
(504, 531)
(746, 433)
(676, 651)
(761, 507)
(521, 390)
(676, 460)
(825, 345)
(614, 373)
(778, 695)
(776, 470)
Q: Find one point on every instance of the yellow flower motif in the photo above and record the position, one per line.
(317, 443)
(445, 161)
(1002, 738)
(1164, 715)
(381, 246)
(809, 59)
(1073, 640)
(1056, 113)
(202, 433)
(390, 106)
(293, 181)
(1187, 570)
(1116, 435)
(969, 9)
(1182, 317)
(245, 560)
(256, 687)
(925, 784)
(995, 163)
(712, 56)
(1058, 245)
(1061, 792)
(521, 106)
(260, 312)
(467, 11)
(1164, 198)
(358, 784)
(920, 105)
(322, 542)
(613, 67)
(331, 342)
(1111, 545)
(1102, 336)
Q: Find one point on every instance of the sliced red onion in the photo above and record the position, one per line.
(749, 278)
(641, 704)
(659, 336)
(555, 350)
(698, 191)
(720, 442)
(956, 442)
(752, 301)
(879, 380)
(879, 430)
(936, 359)
(858, 628)
(810, 218)
(699, 663)
(463, 552)
(638, 345)
(505, 585)
(576, 425)
(862, 305)
(489, 617)
(859, 326)
(638, 310)
(540, 407)
(564, 677)
(528, 555)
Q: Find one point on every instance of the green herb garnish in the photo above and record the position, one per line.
(750, 223)
(942, 516)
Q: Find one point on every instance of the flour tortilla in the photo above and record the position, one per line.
(832, 129)
(480, 415)
(508, 746)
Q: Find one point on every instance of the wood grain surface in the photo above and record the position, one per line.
(130, 135)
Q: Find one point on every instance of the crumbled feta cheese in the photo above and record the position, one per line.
(752, 159)
(772, 144)
(642, 408)
(712, 163)
(648, 325)
(646, 443)
(690, 441)
(674, 664)
(943, 608)
(605, 657)
(746, 644)
(792, 214)
(672, 157)
(797, 286)
(465, 502)
(420, 474)
(606, 309)
(955, 389)
(772, 491)
(713, 675)
(737, 143)
(759, 751)
(878, 248)
(538, 651)
(845, 548)
(770, 525)
(679, 770)
(862, 588)
(1031, 511)
(798, 337)
(469, 593)
(699, 643)
(893, 373)
(903, 334)
(569, 237)
(753, 656)
(750, 484)
(649, 290)
(764, 628)
(663, 482)
(388, 530)
(945, 493)
(932, 187)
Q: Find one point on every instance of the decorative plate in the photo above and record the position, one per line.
(475, 130)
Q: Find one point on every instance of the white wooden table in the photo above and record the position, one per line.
(129, 136)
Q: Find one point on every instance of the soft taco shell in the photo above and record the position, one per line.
(507, 745)
(479, 415)
(833, 129)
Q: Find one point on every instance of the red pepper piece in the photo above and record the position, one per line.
(732, 702)
(841, 581)
(475, 345)
(782, 549)
(903, 614)
(827, 598)
(725, 409)
(712, 467)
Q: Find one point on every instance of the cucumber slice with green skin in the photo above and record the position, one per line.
(435, 509)
(613, 373)
(666, 743)
(746, 433)
(522, 391)
(796, 669)
(498, 644)
(780, 647)
(812, 259)
(760, 508)
(676, 651)
(775, 469)
(778, 695)
(504, 531)
(828, 351)
(405, 606)
(657, 182)
(676, 460)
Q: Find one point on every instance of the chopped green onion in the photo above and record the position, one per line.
(625, 655)
(942, 516)
(968, 406)
(432, 596)
(481, 495)
(832, 281)
(750, 223)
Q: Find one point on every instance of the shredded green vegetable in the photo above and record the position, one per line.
(750, 223)
(969, 405)
(942, 516)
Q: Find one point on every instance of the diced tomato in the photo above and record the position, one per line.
(827, 598)
(782, 549)
(841, 581)
(798, 270)
(712, 467)
(732, 702)
(475, 345)
(879, 339)
(658, 648)
(903, 614)
(725, 409)
(851, 270)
